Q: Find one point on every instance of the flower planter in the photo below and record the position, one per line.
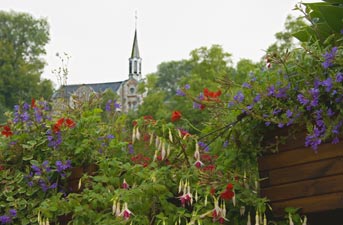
(298, 177)
(76, 175)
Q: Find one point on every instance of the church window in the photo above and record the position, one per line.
(135, 67)
(132, 90)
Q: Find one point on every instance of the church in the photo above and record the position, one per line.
(129, 98)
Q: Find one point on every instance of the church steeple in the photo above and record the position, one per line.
(135, 61)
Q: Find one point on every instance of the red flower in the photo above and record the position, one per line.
(212, 191)
(176, 115)
(67, 122)
(70, 123)
(229, 186)
(228, 193)
(221, 220)
(7, 131)
(210, 95)
(33, 103)
(134, 123)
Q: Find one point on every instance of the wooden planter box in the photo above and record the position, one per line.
(298, 177)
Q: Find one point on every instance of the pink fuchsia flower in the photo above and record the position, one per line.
(198, 164)
(186, 199)
(125, 185)
(125, 213)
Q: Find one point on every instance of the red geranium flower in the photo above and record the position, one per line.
(33, 103)
(70, 123)
(211, 95)
(67, 122)
(227, 194)
(7, 131)
(176, 115)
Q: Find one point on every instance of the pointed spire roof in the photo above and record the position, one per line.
(135, 50)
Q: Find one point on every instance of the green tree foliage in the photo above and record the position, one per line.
(285, 39)
(169, 74)
(22, 42)
(244, 68)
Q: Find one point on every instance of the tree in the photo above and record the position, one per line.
(285, 39)
(22, 42)
(169, 75)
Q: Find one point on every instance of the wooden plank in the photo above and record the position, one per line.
(320, 203)
(301, 172)
(305, 188)
(299, 156)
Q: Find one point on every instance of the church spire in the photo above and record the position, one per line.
(135, 50)
(135, 61)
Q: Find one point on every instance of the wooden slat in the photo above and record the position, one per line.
(304, 188)
(300, 172)
(320, 203)
(299, 156)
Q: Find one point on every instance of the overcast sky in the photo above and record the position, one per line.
(98, 35)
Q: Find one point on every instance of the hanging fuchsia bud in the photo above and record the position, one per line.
(125, 185)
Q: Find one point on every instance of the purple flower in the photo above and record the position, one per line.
(53, 186)
(13, 212)
(187, 86)
(108, 105)
(25, 116)
(26, 106)
(131, 149)
(330, 113)
(110, 136)
(196, 105)
(315, 96)
(37, 170)
(329, 58)
(204, 146)
(289, 113)
(61, 167)
(271, 90)
(43, 185)
(276, 111)
(179, 92)
(336, 128)
(246, 85)
(302, 99)
(16, 108)
(282, 93)
(317, 83)
(230, 104)
(257, 98)
(225, 144)
(267, 123)
(328, 84)
(116, 105)
(239, 97)
(339, 77)
(335, 140)
(5, 219)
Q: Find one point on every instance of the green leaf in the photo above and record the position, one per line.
(334, 1)
(333, 15)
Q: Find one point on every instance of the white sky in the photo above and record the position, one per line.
(98, 35)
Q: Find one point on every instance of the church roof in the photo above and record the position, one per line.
(135, 50)
(96, 87)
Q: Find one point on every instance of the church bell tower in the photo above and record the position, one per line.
(135, 61)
